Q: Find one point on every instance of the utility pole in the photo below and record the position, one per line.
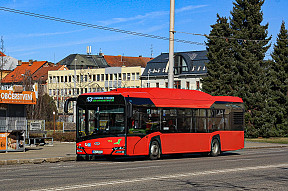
(2, 60)
(171, 45)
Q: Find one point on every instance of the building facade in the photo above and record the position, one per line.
(189, 69)
(71, 83)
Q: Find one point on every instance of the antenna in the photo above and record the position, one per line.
(151, 48)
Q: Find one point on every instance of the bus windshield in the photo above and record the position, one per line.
(101, 120)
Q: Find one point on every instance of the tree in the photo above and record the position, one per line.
(244, 70)
(218, 80)
(279, 84)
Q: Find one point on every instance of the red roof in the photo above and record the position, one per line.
(2, 54)
(119, 61)
(42, 73)
(164, 97)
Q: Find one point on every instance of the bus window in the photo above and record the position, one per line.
(169, 118)
(201, 120)
(81, 130)
(184, 120)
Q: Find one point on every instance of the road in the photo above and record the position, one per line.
(250, 169)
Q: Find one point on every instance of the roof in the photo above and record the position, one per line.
(42, 73)
(195, 61)
(26, 68)
(118, 61)
(84, 61)
(165, 97)
(2, 54)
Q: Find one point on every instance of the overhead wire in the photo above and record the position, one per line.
(95, 26)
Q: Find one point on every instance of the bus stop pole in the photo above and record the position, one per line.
(171, 45)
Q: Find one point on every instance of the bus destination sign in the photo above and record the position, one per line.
(99, 99)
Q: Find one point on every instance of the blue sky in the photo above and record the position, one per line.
(33, 38)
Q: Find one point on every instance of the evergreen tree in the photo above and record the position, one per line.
(279, 84)
(243, 70)
(249, 52)
(219, 77)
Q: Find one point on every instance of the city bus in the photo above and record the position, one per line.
(157, 121)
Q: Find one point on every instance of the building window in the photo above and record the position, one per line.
(102, 77)
(187, 85)
(124, 76)
(133, 76)
(119, 76)
(157, 85)
(106, 77)
(177, 84)
(197, 85)
(137, 76)
(180, 65)
(111, 77)
(115, 76)
(128, 76)
(98, 77)
(148, 85)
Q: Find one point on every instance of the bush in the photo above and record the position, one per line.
(64, 137)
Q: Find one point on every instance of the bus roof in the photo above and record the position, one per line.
(165, 97)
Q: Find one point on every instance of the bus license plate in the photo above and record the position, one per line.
(97, 152)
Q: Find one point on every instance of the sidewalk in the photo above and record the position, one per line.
(66, 152)
(50, 153)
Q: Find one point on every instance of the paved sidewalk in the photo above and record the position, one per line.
(48, 153)
(66, 152)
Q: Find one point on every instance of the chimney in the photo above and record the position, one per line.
(30, 62)
(19, 62)
(101, 54)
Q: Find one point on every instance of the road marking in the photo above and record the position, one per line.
(232, 160)
(2, 180)
(81, 186)
(135, 168)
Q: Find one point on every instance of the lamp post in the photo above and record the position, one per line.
(54, 120)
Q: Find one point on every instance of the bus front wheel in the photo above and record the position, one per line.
(155, 151)
(215, 147)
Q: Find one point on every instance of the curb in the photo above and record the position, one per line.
(37, 160)
(268, 147)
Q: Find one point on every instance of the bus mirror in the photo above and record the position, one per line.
(129, 110)
(66, 104)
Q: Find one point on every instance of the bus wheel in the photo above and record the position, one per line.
(215, 148)
(154, 152)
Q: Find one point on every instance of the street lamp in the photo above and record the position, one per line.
(54, 120)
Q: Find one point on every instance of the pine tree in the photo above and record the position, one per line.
(279, 84)
(218, 80)
(244, 72)
(249, 52)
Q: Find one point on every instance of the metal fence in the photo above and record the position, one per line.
(12, 123)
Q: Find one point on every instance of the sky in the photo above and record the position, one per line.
(28, 38)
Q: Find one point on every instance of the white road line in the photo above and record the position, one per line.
(2, 180)
(135, 168)
(232, 160)
(81, 186)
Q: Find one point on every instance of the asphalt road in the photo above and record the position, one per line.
(250, 169)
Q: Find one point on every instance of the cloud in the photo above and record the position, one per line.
(149, 15)
(43, 34)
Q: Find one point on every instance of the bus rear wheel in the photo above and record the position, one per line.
(215, 147)
(154, 151)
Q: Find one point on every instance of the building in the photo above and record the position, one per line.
(7, 64)
(30, 74)
(13, 118)
(84, 61)
(63, 84)
(189, 69)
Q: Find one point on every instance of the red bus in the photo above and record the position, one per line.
(157, 121)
